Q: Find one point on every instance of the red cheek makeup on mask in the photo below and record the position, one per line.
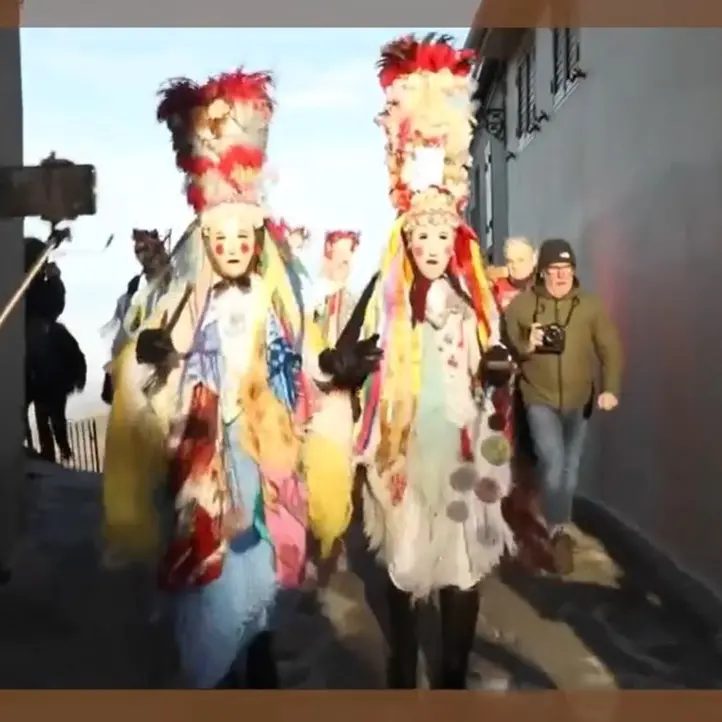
(245, 248)
(418, 251)
(219, 249)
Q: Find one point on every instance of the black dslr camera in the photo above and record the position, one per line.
(554, 338)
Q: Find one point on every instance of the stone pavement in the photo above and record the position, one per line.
(65, 622)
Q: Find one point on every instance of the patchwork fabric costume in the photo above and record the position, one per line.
(430, 442)
(217, 400)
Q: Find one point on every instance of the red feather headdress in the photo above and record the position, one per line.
(333, 237)
(220, 133)
(432, 54)
(428, 105)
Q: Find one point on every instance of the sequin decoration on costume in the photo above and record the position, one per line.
(496, 450)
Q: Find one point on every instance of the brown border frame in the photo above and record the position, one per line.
(364, 706)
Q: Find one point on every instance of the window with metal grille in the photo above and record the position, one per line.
(565, 46)
(488, 198)
(526, 93)
(473, 209)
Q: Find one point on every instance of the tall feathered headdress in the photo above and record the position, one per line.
(428, 120)
(220, 134)
(286, 231)
(333, 237)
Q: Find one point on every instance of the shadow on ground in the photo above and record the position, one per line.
(641, 639)
(66, 622)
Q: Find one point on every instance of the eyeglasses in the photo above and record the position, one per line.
(560, 269)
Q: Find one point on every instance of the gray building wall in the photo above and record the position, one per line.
(629, 168)
(12, 334)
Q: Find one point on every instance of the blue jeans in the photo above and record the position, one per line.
(558, 438)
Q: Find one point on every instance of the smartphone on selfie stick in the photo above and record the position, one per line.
(56, 191)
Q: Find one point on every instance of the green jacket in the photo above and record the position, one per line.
(569, 380)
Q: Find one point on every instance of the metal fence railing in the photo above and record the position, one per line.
(83, 437)
(86, 443)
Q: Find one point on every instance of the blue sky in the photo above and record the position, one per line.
(90, 95)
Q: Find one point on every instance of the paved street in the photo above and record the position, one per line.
(67, 623)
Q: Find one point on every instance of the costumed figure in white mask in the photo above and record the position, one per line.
(209, 449)
(431, 446)
(333, 308)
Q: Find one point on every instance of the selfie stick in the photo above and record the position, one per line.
(57, 236)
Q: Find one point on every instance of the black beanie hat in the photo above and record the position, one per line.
(555, 250)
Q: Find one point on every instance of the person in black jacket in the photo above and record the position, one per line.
(54, 370)
(54, 363)
(45, 298)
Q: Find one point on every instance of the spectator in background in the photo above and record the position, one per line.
(517, 273)
(54, 364)
(562, 338)
(45, 298)
(522, 506)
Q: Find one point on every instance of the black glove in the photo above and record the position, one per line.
(155, 347)
(497, 367)
(349, 364)
(106, 394)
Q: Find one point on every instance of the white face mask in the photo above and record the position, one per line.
(431, 246)
(229, 237)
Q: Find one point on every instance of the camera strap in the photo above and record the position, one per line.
(535, 315)
(575, 303)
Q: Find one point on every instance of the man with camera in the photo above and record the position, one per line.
(562, 338)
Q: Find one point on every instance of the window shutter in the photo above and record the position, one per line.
(520, 105)
(531, 90)
(559, 69)
(488, 196)
(572, 50)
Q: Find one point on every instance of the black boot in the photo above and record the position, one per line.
(261, 670)
(459, 609)
(403, 639)
(230, 681)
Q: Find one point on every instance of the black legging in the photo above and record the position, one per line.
(261, 670)
(459, 610)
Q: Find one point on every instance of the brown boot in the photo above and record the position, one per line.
(563, 552)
